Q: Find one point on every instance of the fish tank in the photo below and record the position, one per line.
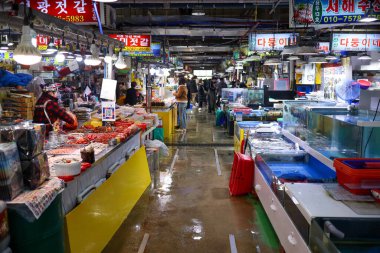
(253, 97)
(344, 235)
(334, 131)
(233, 94)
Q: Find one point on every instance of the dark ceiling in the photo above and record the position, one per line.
(202, 40)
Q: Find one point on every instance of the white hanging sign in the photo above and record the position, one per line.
(108, 89)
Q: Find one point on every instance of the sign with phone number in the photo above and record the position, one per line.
(320, 12)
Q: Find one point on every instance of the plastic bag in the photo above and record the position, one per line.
(35, 171)
(164, 150)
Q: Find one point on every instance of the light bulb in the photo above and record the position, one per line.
(120, 63)
(60, 57)
(25, 53)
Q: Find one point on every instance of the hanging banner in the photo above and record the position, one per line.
(355, 42)
(43, 42)
(74, 11)
(264, 42)
(133, 43)
(325, 12)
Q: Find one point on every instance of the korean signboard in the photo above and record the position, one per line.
(140, 43)
(262, 42)
(43, 42)
(324, 47)
(75, 11)
(155, 51)
(325, 12)
(355, 42)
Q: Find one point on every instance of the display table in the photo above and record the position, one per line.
(168, 116)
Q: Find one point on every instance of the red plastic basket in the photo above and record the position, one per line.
(358, 175)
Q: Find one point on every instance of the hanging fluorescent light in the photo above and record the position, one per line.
(331, 57)
(79, 58)
(70, 56)
(369, 16)
(273, 62)
(317, 60)
(25, 53)
(198, 11)
(364, 57)
(293, 58)
(288, 50)
(120, 63)
(306, 50)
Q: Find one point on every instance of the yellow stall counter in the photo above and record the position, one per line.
(91, 225)
(168, 116)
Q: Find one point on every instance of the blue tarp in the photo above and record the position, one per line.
(8, 79)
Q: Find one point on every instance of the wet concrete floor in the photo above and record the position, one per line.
(188, 207)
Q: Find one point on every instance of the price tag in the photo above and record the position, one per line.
(108, 89)
(108, 111)
(87, 91)
(73, 65)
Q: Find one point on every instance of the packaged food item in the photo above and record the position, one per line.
(35, 171)
(11, 180)
(30, 138)
(88, 154)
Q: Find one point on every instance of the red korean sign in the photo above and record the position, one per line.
(43, 42)
(140, 43)
(324, 47)
(262, 42)
(74, 11)
(356, 42)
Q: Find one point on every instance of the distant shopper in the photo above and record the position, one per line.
(193, 89)
(131, 96)
(221, 85)
(212, 95)
(201, 95)
(182, 99)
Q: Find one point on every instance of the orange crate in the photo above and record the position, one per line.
(358, 175)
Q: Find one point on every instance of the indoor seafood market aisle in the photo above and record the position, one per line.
(189, 208)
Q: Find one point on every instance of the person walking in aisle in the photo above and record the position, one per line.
(221, 85)
(212, 95)
(201, 95)
(181, 98)
(193, 90)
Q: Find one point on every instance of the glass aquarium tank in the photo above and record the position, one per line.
(253, 97)
(233, 94)
(333, 131)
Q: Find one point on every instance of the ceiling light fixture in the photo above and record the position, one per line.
(272, 62)
(317, 60)
(79, 58)
(120, 63)
(306, 50)
(198, 10)
(293, 58)
(25, 53)
(60, 57)
(331, 57)
(93, 59)
(365, 57)
(369, 15)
